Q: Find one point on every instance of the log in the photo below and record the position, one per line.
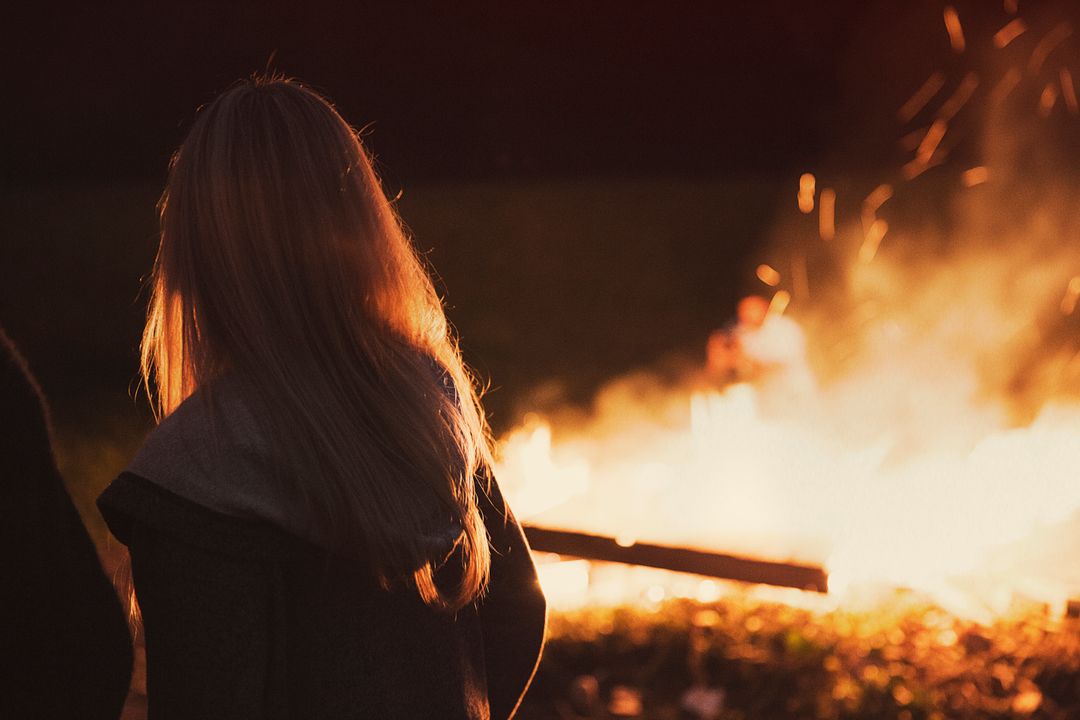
(677, 559)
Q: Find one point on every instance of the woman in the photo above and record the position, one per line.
(313, 526)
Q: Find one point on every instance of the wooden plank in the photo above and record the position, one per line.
(698, 562)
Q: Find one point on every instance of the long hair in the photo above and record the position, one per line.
(282, 264)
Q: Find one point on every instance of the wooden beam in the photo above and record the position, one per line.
(698, 562)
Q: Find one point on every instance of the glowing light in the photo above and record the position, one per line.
(1047, 45)
(922, 96)
(779, 303)
(1068, 91)
(827, 215)
(914, 169)
(1072, 295)
(768, 275)
(1012, 6)
(874, 235)
(955, 30)
(1005, 86)
(900, 464)
(565, 582)
(975, 176)
(1047, 99)
(878, 197)
(931, 141)
(959, 98)
(807, 184)
(1012, 30)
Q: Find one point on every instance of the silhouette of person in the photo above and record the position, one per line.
(65, 641)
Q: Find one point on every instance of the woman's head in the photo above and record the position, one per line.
(282, 264)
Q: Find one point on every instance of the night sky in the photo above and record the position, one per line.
(452, 91)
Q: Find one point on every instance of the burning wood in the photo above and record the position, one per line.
(698, 562)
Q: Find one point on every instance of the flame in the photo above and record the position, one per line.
(893, 464)
(915, 423)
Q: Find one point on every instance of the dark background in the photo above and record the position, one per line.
(593, 182)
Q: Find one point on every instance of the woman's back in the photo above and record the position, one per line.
(244, 617)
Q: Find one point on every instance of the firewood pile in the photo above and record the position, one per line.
(741, 659)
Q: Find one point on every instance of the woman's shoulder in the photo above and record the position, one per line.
(211, 455)
(132, 501)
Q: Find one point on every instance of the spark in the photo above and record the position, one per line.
(1012, 6)
(956, 31)
(807, 185)
(1072, 295)
(874, 235)
(779, 302)
(959, 98)
(768, 275)
(1047, 99)
(931, 141)
(1068, 91)
(1047, 45)
(1012, 30)
(873, 202)
(911, 140)
(878, 197)
(1005, 86)
(827, 214)
(975, 176)
(922, 96)
(913, 169)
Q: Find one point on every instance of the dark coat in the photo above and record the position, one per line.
(246, 619)
(65, 639)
